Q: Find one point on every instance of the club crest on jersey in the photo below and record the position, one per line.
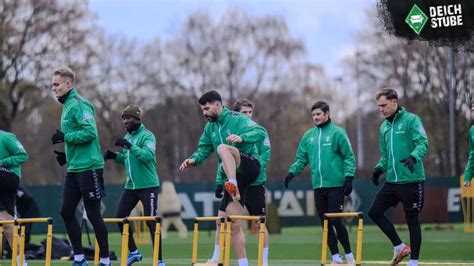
(86, 115)
(19, 145)
(328, 138)
(151, 145)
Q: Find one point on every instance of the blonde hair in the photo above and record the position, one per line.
(65, 72)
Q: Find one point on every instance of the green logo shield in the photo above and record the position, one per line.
(416, 19)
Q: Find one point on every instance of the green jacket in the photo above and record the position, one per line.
(12, 152)
(229, 122)
(264, 150)
(80, 134)
(328, 151)
(403, 137)
(470, 161)
(140, 160)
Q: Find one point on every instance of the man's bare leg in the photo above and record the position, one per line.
(238, 237)
(7, 228)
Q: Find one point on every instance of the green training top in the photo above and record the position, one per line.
(140, 160)
(470, 161)
(80, 134)
(329, 152)
(12, 152)
(404, 136)
(229, 122)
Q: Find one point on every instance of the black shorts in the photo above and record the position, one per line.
(255, 200)
(329, 200)
(247, 172)
(89, 183)
(130, 199)
(9, 183)
(411, 195)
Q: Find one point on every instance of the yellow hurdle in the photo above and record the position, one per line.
(21, 223)
(261, 234)
(125, 234)
(467, 203)
(196, 242)
(360, 230)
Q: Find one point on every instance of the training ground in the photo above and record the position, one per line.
(302, 246)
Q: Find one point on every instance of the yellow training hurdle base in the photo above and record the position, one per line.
(21, 223)
(467, 203)
(225, 235)
(196, 236)
(360, 230)
(125, 234)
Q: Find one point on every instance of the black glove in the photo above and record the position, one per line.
(288, 179)
(60, 157)
(109, 155)
(219, 190)
(409, 162)
(57, 137)
(347, 187)
(123, 143)
(376, 175)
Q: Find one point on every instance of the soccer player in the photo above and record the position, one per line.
(233, 136)
(403, 144)
(255, 200)
(139, 158)
(326, 147)
(84, 164)
(12, 155)
(468, 173)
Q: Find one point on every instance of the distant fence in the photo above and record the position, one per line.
(295, 205)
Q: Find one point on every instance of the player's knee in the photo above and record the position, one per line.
(67, 214)
(374, 214)
(222, 148)
(412, 218)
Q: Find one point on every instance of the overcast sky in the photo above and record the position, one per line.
(327, 27)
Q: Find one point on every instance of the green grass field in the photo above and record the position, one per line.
(302, 246)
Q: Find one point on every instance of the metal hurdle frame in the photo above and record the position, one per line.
(125, 235)
(196, 239)
(21, 222)
(261, 234)
(360, 230)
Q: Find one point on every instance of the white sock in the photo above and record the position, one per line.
(233, 181)
(215, 255)
(349, 256)
(105, 261)
(265, 255)
(78, 257)
(398, 248)
(134, 252)
(413, 263)
(337, 258)
(243, 262)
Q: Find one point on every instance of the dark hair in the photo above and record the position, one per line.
(210, 97)
(324, 106)
(242, 103)
(388, 93)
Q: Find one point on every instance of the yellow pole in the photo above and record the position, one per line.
(96, 253)
(261, 240)
(1, 242)
(157, 241)
(49, 242)
(125, 236)
(22, 243)
(228, 235)
(15, 243)
(360, 230)
(325, 241)
(221, 240)
(195, 241)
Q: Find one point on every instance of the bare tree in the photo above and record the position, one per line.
(35, 37)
